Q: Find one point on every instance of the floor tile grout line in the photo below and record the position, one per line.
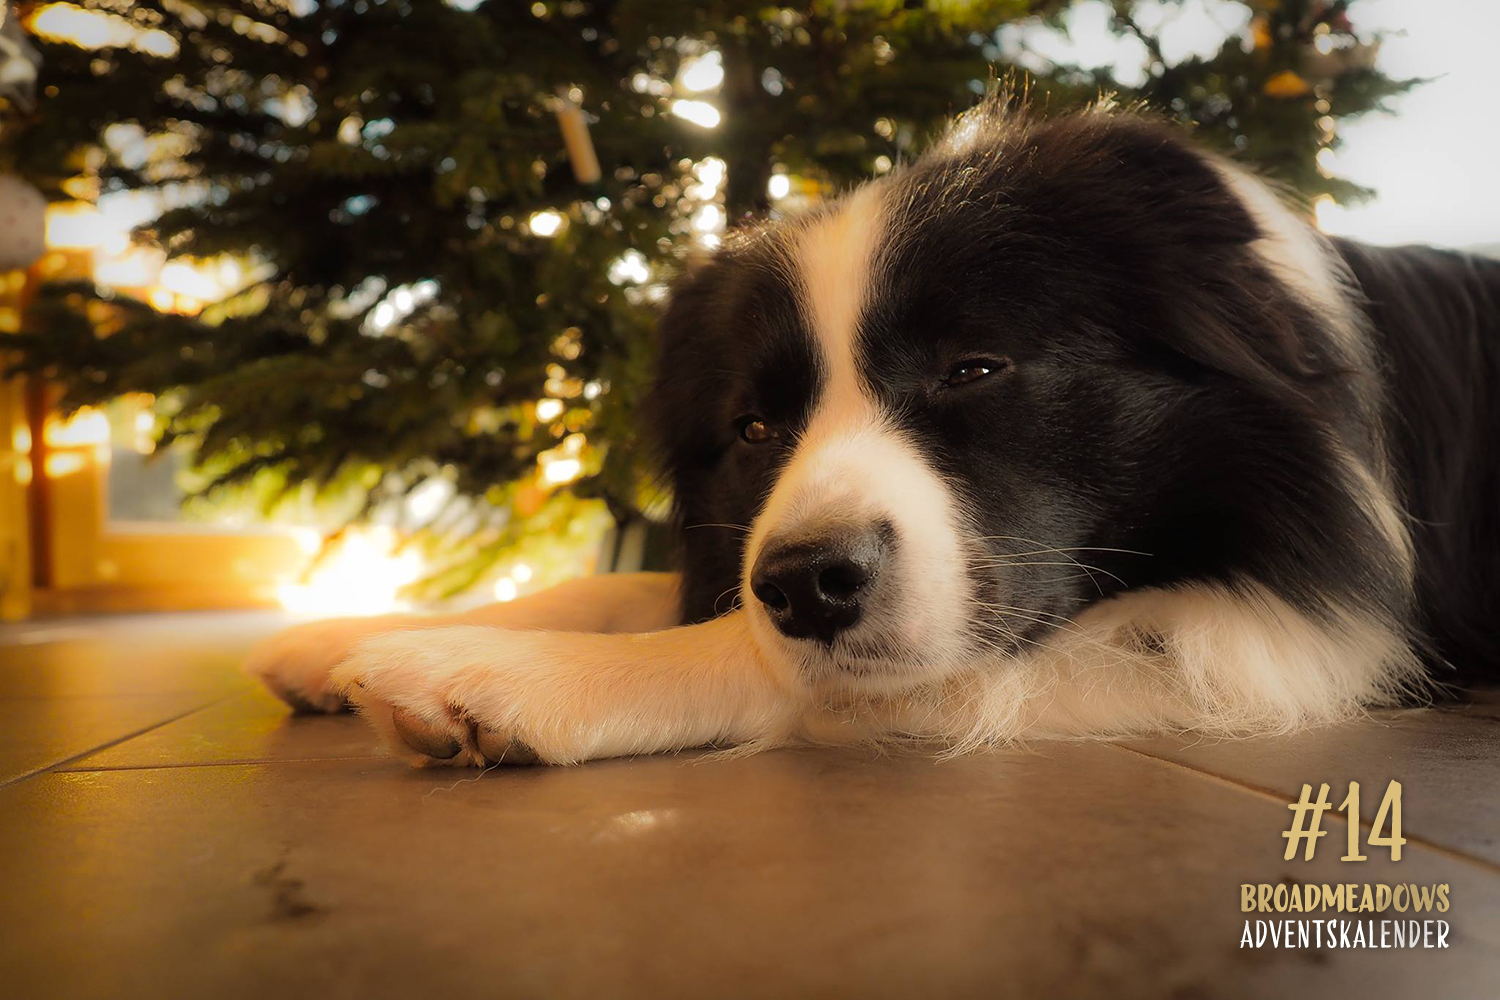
(218, 763)
(60, 764)
(1280, 797)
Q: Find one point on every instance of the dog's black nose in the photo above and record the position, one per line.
(813, 586)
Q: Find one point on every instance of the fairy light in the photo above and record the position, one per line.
(700, 113)
(702, 73)
(557, 471)
(708, 219)
(564, 463)
(629, 268)
(711, 172)
(545, 223)
(399, 303)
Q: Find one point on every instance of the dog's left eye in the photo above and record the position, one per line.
(755, 430)
(973, 370)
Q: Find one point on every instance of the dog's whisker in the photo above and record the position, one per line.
(1088, 569)
(709, 524)
(1075, 548)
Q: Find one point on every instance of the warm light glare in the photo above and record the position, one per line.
(87, 426)
(557, 471)
(58, 466)
(308, 540)
(93, 29)
(363, 575)
(135, 268)
(1323, 210)
(700, 113)
(427, 500)
(194, 279)
(74, 225)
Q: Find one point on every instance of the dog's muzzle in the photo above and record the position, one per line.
(815, 585)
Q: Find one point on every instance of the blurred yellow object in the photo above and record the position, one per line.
(87, 426)
(1286, 84)
(94, 29)
(1260, 32)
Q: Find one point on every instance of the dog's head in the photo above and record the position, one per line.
(931, 422)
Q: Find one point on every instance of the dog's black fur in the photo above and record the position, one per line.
(1436, 315)
(1157, 388)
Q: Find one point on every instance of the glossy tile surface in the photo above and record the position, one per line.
(250, 727)
(1448, 764)
(232, 850)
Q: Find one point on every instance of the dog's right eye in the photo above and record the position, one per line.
(755, 430)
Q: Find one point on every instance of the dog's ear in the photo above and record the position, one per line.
(1190, 240)
(1119, 194)
(1129, 185)
(699, 304)
(698, 307)
(689, 298)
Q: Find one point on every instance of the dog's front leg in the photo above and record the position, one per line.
(479, 695)
(295, 664)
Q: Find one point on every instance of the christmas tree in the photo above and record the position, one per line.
(451, 224)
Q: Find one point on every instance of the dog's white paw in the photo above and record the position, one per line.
(295, 664)
(459, 695)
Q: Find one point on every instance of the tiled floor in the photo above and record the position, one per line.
(168, 830)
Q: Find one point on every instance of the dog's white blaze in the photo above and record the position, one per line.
(852, 464)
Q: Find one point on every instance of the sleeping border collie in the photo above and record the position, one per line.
(1067, 429)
